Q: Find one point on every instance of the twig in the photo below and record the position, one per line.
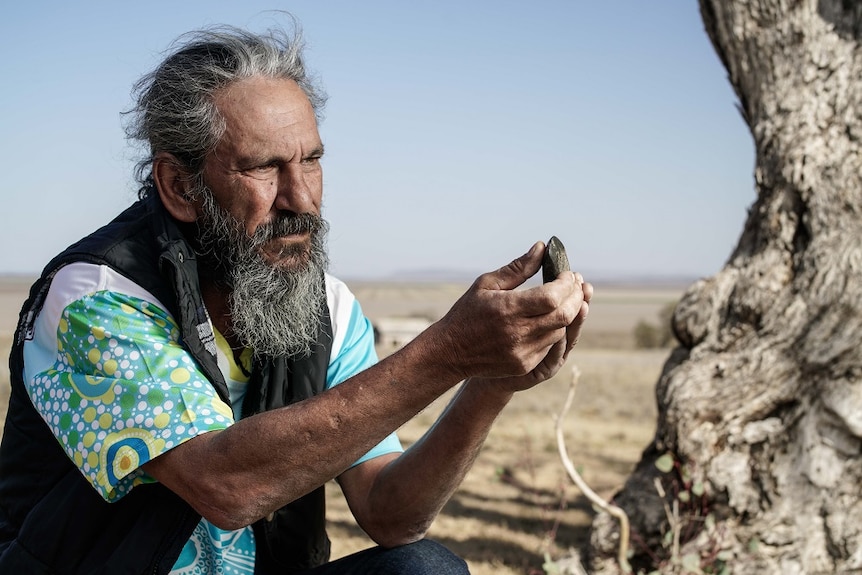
(614, 510)
(672, 519)
(676, 528)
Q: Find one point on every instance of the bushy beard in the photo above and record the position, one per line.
(275, 309)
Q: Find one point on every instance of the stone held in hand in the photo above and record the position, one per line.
(554, 260)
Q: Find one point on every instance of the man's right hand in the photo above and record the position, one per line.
(495, 330)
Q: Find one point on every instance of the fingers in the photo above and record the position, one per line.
(555, 312)
(495, 330)
(573, 331)
(517, 272)
(586, 286)
(550, 364)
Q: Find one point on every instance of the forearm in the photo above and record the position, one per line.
(238, 475)
(410, 491)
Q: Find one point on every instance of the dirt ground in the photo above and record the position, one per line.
(516, 506)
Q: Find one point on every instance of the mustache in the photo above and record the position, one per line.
(289, 224)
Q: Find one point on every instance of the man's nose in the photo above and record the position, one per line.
(299, 190)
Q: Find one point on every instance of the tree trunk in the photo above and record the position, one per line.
(760, 404)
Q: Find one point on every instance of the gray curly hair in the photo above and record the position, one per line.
(174, 109)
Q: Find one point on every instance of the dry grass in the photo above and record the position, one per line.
(516, 504)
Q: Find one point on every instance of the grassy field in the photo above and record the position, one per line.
(516, 505)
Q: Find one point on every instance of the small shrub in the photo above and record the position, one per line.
(649, 335)
(646, 335)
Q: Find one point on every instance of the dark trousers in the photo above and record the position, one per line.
(425, 557)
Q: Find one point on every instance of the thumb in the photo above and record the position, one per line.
(518, 271)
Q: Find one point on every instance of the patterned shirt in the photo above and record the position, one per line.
(109, 375)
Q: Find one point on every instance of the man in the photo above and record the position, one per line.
(187, 378)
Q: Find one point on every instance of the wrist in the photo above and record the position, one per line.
(440, 354)
(489, 392)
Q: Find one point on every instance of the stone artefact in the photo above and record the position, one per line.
(555, 260)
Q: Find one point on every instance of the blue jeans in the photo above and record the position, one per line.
(425, 557)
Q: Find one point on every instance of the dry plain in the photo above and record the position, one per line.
(516, 505)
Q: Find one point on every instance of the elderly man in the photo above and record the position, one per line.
(187, 378)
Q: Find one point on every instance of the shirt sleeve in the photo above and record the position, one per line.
(353, 351)
(121, 389)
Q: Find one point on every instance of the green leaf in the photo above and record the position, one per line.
(549, 566)
(665, 462)
(724, 555)
(691, 563)
(667, 539)
(697, 488)
(685, 474)
(709, 522)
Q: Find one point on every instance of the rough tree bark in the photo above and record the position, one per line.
(761, 401)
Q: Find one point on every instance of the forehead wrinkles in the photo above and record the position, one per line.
(261, 111)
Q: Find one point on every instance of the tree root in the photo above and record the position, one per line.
(610, 508)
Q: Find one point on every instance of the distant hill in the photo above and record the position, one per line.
(430, 276)
(467, 277)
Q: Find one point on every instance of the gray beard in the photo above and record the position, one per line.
(275, 310)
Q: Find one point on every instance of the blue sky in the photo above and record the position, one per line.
(457, 133)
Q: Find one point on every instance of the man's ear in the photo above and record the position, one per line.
(173, 183)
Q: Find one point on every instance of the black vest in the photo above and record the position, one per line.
(51, 518)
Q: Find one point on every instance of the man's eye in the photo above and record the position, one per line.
(262, 170)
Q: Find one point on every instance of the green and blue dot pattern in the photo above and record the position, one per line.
(123, 390)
